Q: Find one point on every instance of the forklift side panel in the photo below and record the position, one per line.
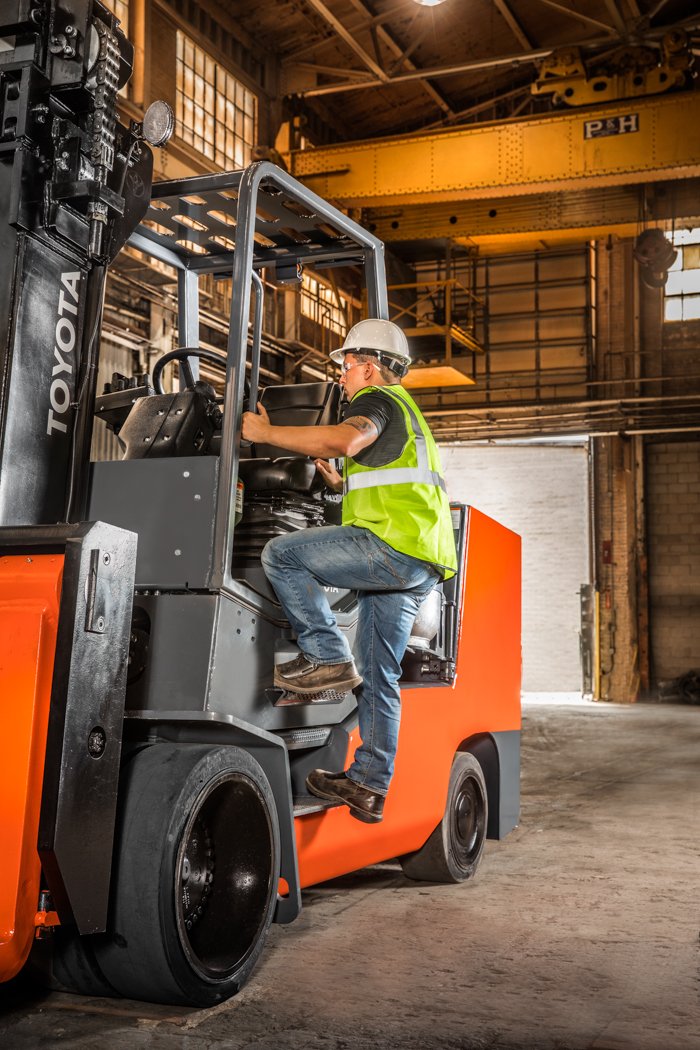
(170, 504)
(247, 645)
(180, 631)
(30, 590)
(209, 652)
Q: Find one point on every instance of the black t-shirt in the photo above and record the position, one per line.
(388, 418)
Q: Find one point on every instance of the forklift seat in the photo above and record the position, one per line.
(273, 469)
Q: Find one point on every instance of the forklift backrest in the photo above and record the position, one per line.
(272, 469)
(298, 405)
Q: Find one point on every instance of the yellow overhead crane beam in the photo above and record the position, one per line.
(632, 141)
(528, 221)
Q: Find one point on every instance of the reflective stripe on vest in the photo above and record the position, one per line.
(420, 475)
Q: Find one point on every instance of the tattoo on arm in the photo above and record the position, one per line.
(363, 424)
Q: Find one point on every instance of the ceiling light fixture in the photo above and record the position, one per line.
(428, 3)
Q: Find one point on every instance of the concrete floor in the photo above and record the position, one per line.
(580, 930)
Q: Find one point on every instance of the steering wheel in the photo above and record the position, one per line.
(183, 354)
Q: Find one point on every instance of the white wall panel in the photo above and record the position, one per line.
(542, 494)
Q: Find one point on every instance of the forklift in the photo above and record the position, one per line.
(154, 818)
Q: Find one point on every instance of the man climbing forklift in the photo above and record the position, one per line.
(395, 543)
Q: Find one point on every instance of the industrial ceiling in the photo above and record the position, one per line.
(361, 69)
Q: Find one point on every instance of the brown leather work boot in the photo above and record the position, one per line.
(364, 804)
(302, 675)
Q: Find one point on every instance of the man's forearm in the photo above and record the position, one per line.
(322, 442)
(342, 439)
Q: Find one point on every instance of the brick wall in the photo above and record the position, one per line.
(540, 493)
(673, 528)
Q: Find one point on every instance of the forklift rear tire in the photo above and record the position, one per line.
(453, 851)
(196, 873)
(74, 967)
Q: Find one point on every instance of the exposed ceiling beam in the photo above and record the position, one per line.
(513, 24)
(479, 107)
(586, 19)
(372, 20)
(379, 33)
(418, 39)
(345, 35)
(523, 104)
(519, 58)
(386, 16)
(375, 44)
(314, 44)
(397, 51)
(656, 9)
(328, 71)
(617, 17)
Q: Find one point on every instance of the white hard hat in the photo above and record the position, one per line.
(374, 336)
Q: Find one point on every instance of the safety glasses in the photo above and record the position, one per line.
(344, 368)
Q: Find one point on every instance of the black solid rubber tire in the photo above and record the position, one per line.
(454, 850)
(74, 967)
(196, 824)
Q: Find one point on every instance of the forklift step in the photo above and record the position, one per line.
(306, 737)
(282, 698)
(305, 804)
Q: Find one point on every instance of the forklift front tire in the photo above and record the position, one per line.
(453, 851)
(196, 874)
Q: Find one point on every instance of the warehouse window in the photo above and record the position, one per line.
(321, 304)
(216, 114)
(120, 8)
(683, 285)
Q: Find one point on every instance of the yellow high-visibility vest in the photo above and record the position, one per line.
(405, 502)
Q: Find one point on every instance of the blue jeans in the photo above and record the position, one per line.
(391, 587)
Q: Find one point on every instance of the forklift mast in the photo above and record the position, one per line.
(73, 184)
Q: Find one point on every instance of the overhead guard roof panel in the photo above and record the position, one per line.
(196, 219)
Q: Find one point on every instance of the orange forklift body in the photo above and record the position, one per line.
(30, 593)
(436, 721)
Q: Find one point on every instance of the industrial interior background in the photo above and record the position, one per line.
(520, 158)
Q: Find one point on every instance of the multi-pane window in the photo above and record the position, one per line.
(321, 304)
(683, 284)
(120, 8)
(216, 114)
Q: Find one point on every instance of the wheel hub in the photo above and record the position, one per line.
(466, 816)
(196, 873)
(224, 885)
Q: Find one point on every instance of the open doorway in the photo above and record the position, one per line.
(541, 492)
